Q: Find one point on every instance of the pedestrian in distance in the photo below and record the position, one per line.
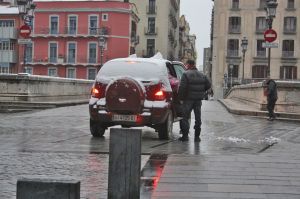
(271, 93)
(192, 88)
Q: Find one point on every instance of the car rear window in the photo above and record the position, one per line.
(140, 70)
(135, 69)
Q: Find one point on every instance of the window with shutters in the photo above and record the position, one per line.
(262, 4)
(288, 48)
(259, 71)
(234, 25)
(291, 4)
(235, 4)
(261, 24)
(234, 72)
(290, 24)
(260, 51)
(233, 48)
(288, 72)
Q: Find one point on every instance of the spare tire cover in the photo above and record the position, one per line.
(125, 95)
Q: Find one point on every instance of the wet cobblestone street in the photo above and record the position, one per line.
(56, 143)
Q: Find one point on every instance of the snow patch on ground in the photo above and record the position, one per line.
(270, 140)
(232, 139)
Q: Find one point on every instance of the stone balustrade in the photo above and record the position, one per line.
(253, 94)
(32, 88)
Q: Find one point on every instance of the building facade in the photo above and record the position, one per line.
(9, 24)
(235, 19)
(206, 62)
(73, 39)
(187, 42)
(158, 28)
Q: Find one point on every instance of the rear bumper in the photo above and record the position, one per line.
(147, 117)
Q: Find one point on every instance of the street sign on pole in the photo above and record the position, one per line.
(270, 45)
(270, 35)
(25, 31)
(24, 41)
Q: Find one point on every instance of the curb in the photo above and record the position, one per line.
(15, 107)
(261, 114)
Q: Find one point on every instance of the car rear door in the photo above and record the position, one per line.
(179, 69)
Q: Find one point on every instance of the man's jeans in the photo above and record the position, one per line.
(189, 106)
(270, 107)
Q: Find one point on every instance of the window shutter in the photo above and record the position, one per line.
(281, 72)
(295, 73)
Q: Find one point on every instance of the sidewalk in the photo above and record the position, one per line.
(273, 173)
(264, 176)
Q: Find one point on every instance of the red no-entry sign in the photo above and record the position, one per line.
(270, 35)
(25, 31)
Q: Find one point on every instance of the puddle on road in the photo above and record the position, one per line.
(151, 173)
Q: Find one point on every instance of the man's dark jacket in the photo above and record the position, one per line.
(193, 85)
(272, 90)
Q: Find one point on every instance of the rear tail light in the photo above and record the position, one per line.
(98, 90)
(155, 92)
(160, 95)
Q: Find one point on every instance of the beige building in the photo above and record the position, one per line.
(235, 19)
(158, 28)
(187, 42)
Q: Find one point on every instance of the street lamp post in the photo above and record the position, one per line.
(231, 68)
(26, 10)
(102, 42)
(244, 46)
(103, 36)
(270, 8)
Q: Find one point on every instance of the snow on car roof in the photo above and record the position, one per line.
(141, 69)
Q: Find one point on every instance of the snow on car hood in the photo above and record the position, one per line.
(140, 69)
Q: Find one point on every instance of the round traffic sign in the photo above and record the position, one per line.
(270, 35)
(25, 31)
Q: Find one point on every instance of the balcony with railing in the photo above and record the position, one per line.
(236, 29)
(9, 56)
(70, 32)
(290, 30)
(175, 4)
(171, 36)
(151, 10)
(173, 19)
(287, 54)
(232, 53)
(8, 33)
(261, 54)
(92, 60)
(150, 31)
(135, 39)
(63, 60)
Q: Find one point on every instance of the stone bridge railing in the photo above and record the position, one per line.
(32, 88)
(253, 94)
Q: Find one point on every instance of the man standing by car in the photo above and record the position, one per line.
(192, 88)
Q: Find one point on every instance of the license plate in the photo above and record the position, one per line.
(124, 118)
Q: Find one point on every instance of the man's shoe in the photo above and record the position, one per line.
(271, 118)
(197, 139)
(183, 139)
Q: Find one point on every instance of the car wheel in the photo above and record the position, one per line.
(165, 130)
(97, 130)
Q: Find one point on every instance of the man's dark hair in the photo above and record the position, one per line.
(190, 62)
